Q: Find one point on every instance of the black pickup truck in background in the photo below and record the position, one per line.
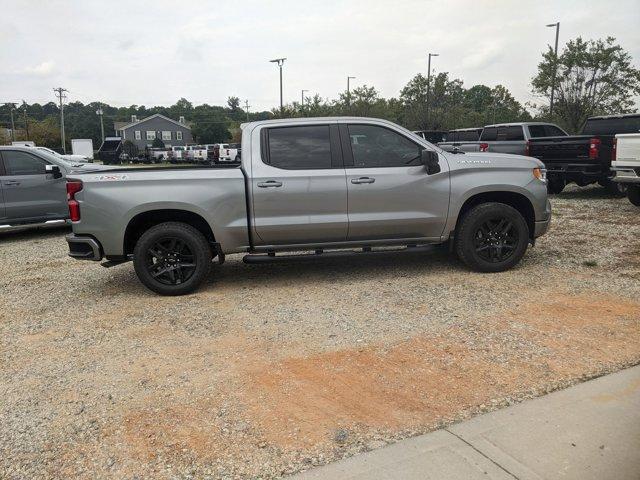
(584, 158)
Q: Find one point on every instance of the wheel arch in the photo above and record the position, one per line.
(516, 200)
(147, 219)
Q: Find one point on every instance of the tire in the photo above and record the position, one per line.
(485, 232)
(616, 189)
(179, 252)
(555, 185)
(633, 194)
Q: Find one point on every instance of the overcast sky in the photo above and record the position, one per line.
(153, 53)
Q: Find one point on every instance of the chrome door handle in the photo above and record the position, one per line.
(360, 180)
(11, 183)
(270, 183)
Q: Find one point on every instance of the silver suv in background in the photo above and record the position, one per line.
(506, 138)
(33, 186)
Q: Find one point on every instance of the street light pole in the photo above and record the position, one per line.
(100, 112)
(302, 100)
(555, 67)
(349, 90)
(280, 62)
(429, 82)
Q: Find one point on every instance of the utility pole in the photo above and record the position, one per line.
(429, 83)
(555, 68)
(280, 62)
(12, 106)
(302, 100)
(100, 113)
(246, 108)
(61, 96)
(24, 114)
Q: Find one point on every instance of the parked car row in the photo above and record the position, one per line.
(582, 159)
(177, 154)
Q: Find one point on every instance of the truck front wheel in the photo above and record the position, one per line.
(491, 237)
(172, 258)
(633, 194)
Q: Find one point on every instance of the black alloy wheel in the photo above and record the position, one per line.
(496, 239)
(170, 261)
(172, 258)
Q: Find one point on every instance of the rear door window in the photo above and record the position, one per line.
(299, 148)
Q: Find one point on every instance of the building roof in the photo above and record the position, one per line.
(157, 115)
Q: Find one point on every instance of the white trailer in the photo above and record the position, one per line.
(82, 146)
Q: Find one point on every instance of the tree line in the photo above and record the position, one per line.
(590, 77)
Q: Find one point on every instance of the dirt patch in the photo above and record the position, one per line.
(303, 400)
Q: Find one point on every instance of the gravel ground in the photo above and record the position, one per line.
(272, 369)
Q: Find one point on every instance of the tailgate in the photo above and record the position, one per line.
(560, 148)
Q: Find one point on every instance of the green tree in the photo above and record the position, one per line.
(594, 77)
(157, 143)
(210, 124)
(45, 133)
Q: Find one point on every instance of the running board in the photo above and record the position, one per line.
(48, 223)
(272, 257)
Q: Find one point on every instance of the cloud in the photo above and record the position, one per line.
(43, 69)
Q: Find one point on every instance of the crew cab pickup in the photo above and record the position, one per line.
(309, 184)
(626, 164)
(585, 158)
(505, 138)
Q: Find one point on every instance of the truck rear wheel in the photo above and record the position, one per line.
(633, 194)
(172, 258)
(492, 237)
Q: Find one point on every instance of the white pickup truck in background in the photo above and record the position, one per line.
(626, 164)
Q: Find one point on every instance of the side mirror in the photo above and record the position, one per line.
(54, 170)
(429, 159)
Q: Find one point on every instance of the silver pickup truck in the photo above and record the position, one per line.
(309, 184)
(505, 138)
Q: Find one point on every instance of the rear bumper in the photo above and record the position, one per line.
(84, 247)
(626, 175)
(577, 172)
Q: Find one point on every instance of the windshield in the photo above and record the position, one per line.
(56, 159)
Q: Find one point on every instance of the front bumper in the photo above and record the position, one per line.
(542, 226)
(84, 247)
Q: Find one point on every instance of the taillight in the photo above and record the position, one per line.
(484, 147)
(614, 149)
(594, 148)
(74, 206)
(527, 148)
